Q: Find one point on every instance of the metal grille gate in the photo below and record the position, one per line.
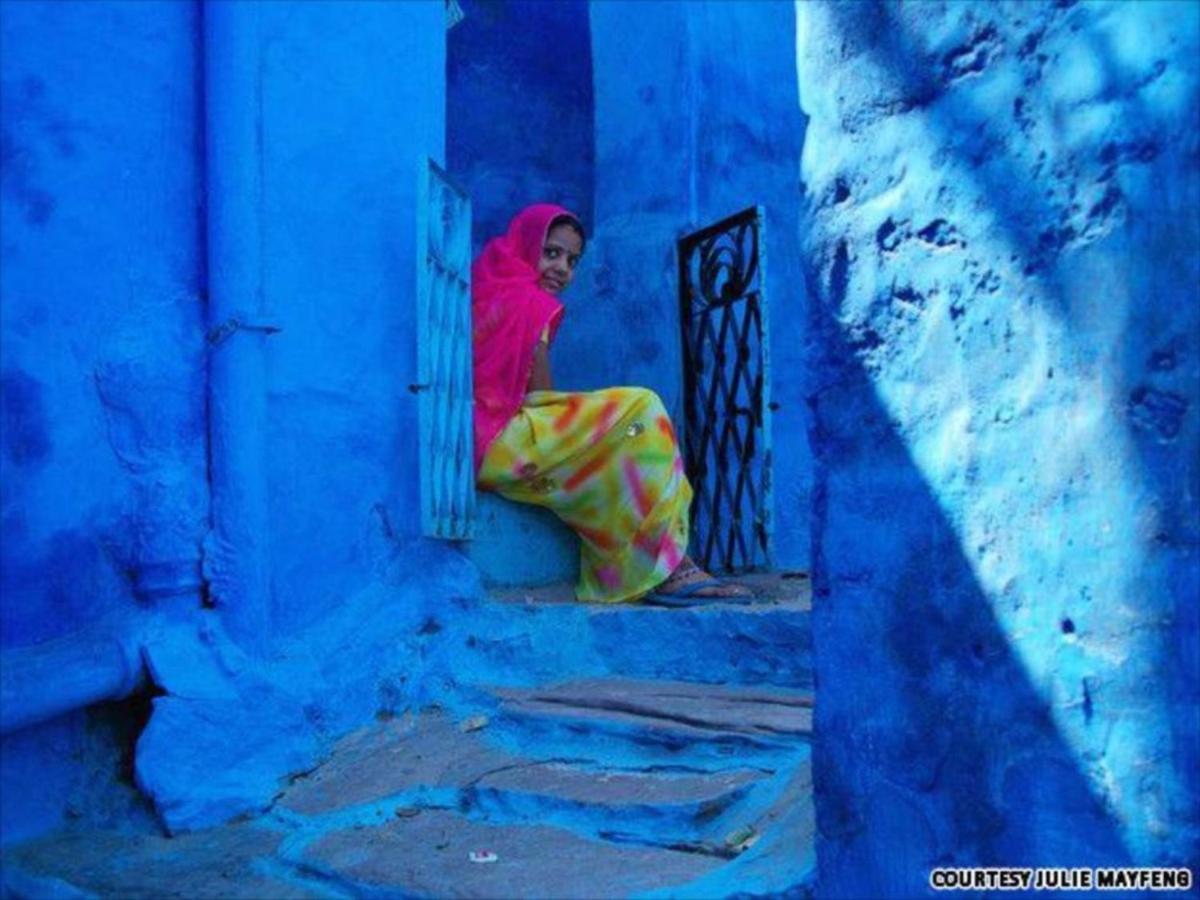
(444, 356)
(726, 369)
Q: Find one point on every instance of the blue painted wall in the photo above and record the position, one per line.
(1001, 230)
(697, 117)
(353, 102)
(103, 367)
(519, 119)
(103, 464)
(105, 479)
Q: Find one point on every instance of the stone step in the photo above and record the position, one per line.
(781, 861)
(398, 808)
(526, 636)
(232, 861)
(428, 762)
(638, 722)
(430, 855)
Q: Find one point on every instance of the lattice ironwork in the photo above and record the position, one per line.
(726, 369)
(444, 356)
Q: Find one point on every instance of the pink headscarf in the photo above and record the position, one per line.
(509, 311)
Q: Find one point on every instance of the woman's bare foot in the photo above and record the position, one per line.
(688, 573)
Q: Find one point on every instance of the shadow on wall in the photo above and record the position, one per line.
(1104, 221)
(933, 746)
(1006, 427)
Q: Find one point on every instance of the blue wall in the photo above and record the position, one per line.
(103, 465)
(103, 367)
(1002, 230)
(519, 109)
(697, 117)
(353, 102)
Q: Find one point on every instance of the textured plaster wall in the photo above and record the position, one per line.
(1001, 230)
(102, 362)
(352, 104)
(105, 482)
(519, 109)
(353, 101)
(696, 118)
(103, 464)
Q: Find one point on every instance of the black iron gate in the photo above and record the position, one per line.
(726, 367)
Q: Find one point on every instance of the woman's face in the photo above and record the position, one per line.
(560, 254)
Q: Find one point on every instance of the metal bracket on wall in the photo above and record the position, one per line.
(220, 333)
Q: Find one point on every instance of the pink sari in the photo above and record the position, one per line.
(509, 313)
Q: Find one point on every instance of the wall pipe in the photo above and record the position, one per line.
(46, 680)
(236, 548)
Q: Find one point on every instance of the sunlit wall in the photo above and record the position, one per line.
(1002, 223)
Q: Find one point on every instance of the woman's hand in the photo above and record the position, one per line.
(539, 378)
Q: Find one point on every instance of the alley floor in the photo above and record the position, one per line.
(610, 786)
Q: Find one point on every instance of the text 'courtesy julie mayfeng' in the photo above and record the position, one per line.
(1003, 878)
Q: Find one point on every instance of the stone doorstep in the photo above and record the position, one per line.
(791, 591)
(620, 788)
(550, 637)
(430, 854)
(430, 752)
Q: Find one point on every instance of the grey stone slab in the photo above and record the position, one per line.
(789, 835)
(429, 855)
(432, 751)
(618, 788)
(388, 758)
(663, 704)
(218, 862)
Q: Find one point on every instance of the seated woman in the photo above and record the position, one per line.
(606, 462)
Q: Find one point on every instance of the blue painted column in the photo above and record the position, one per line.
(236, 548)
